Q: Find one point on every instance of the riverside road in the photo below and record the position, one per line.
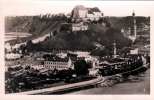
(139, 84)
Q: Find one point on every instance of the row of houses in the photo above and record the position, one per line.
(63, 61)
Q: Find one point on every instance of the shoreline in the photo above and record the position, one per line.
(139, 85)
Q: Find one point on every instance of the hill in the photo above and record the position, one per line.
(85, 40)
(35, 25)
(103, 34)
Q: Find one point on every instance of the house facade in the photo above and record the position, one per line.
(59, 64)
(79, 27)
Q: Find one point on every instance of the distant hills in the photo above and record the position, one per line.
(35, 25)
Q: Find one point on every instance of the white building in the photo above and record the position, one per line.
(61, 55)
(12, 56)
(134, 51)
(94, 14)
(79, 12)
(83, 13)
(8, 47)
(38, 67)
(59, 64)
(93, 72)
(79, 27)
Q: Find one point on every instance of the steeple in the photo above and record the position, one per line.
(134, 25)
(133, 28)
(133, 14)
(115, 50)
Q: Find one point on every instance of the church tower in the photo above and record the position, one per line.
(134, 24)
(133, 30)
(114, 50)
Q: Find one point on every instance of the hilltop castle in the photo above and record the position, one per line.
(82, 13)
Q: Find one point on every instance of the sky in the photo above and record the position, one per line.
(109, 8)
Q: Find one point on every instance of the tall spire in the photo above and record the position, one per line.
(115, 50)
(133, 14)
(134, 25)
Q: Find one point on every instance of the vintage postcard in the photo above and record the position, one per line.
(77, 47)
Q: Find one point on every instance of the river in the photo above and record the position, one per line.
(14, 35)
(139, 84)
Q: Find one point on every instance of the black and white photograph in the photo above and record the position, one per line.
(73, 48)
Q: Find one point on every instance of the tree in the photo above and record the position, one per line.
(81, 67)
(30, 46)
(23, 49)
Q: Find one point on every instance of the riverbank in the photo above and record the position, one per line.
(139, 84)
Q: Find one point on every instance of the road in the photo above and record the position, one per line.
(134, 85)
(63, 87)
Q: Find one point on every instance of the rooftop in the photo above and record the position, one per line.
(95, 9)
(56, 59)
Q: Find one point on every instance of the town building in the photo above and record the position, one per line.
(79, 27)
(79, 12)
(94, 14)
(72, 56)
(12, 56)
(58, 63)
(8, 47)
(61, 55)
(141, 50)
